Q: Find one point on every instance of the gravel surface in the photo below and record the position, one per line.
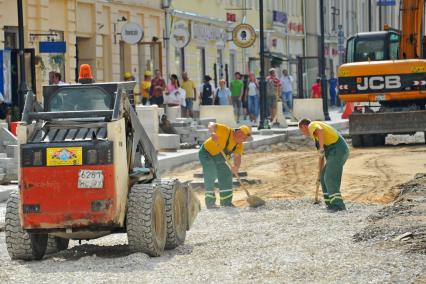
(286, 241)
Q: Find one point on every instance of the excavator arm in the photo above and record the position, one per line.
(412, 29)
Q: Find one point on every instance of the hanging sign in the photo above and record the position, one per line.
(244, 35)
(131, 33)
(180, 36)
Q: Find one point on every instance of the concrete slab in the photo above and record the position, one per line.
(204, 122)
(173, 113)
(169, 141)
(222, 114)
(148, 116)
(308, 108)
(266, 132)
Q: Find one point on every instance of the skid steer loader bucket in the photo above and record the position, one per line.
(193, 205)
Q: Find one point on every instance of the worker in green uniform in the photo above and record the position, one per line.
(230, 141)
(333, 148)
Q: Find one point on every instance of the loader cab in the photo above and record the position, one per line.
(373, 46)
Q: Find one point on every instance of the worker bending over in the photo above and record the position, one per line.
(333, 147)
(230, 141)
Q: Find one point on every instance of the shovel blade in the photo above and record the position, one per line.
(255, 201)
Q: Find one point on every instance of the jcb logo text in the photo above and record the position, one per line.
(378, 83)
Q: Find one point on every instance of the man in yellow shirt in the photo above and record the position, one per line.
(230, 141)
(190, 90)
(146, 86)
(333, 148)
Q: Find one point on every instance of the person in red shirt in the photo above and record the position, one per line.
(316, 90)
(158, 86)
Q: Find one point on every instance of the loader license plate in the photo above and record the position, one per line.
(90, 179)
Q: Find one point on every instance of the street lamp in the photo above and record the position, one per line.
(263, 106)
(23, 88)
(322, 65)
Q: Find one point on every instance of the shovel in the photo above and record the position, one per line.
(252, 200)
(318, 185)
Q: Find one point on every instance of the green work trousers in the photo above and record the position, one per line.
(331, 175)
(215, 167)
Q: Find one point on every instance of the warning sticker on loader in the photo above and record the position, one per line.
(68, 156)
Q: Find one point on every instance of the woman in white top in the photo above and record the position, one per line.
(253, 98)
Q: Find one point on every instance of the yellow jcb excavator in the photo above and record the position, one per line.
(385, 71)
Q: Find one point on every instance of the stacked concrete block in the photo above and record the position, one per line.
(182, 127)
(308, 108)
(169, 142)
(222, 114)
(204, 122)
(173, 113)
(8, 156)
(202, 135)
(148, 116)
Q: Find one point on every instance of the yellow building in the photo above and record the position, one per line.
(91, 32)
(210, 49)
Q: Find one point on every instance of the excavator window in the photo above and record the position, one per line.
(373, 47)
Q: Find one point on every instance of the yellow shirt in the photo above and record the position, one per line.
(189, 87)
(330, 134)
(145, 86)
(222, 132)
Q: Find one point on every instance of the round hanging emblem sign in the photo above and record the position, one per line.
(244, 35)
(131, 33)
(180, 36)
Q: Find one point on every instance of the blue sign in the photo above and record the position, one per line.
(52, 47)
(386, 2)
(280, 17)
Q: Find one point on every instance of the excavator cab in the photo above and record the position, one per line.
(374, 46)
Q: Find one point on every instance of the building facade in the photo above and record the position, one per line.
(91, 33)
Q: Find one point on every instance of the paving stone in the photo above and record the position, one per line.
(169, 141)
(266, 132)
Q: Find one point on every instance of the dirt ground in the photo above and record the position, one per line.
(289, 170)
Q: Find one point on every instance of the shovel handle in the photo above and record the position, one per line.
(228, 162)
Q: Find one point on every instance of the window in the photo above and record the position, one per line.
(78, 99)
(350, 50)
(202, 62)
(394, 47)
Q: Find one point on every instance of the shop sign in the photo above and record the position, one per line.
(231, 17)
(386, 2)
(244, 35)
(205, 33)
(295, 27)
(132, 33)
(180, 36)
(280, 17)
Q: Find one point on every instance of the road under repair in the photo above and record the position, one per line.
(288, 240)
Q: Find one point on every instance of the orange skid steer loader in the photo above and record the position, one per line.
(88, 169)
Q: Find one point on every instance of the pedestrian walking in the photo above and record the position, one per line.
(316, 89)
(223, 94)
(237, 90)
(333, 153)
(206, 91)
(190, 91)
(158, 86)
(287, 91)
(333, 87)
(230, 141)
(253, 98)
(145, 87)
(4, 108)
(244, 97)
(273, 88)
(175, 95)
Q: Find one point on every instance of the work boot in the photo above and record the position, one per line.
(212, 206)
(228, 205)
(333, 209)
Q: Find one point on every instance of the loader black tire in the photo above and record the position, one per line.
(357, 141)
(368, 140)
(379, 139)
(176, 212)
(56, 244)
(21, 244)
(146, 219)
